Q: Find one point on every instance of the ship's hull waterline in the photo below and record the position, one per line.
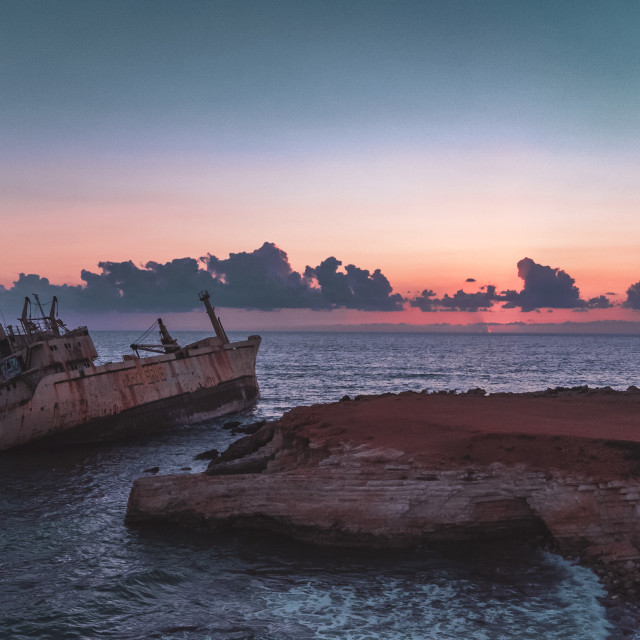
(136, 396)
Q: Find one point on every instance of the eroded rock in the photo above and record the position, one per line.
(401, 470)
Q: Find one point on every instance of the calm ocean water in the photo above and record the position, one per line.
(70, 569)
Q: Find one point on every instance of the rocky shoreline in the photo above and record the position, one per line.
(561, 466)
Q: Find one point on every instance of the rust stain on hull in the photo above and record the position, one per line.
(186, 408)
(64, 397)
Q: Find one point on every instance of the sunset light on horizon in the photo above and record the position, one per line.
(431, 146)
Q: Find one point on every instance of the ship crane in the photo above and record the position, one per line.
(168, 344)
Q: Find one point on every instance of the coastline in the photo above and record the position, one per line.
(560, 466)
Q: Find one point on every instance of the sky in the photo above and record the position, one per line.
(440, 145)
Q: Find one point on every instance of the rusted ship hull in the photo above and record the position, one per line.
(187, 408)
(135, 396)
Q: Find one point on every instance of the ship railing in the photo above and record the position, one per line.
(36, 326)
(20, 337)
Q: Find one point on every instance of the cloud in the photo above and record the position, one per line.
(461, 301)
(122, 286)
(264, 279)
(261, 279)
(12, 299)
(633, 297)
(426, 301)
(601, 302)
(544, 286)
(470, 280)
(355, 288)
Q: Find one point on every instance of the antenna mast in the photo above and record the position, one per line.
(215, 321)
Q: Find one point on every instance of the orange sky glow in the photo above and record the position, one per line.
(434, 152)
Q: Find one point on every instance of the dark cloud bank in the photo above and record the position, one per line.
(263, 279)
(544, 288)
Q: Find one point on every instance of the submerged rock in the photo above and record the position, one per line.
(210, 454)
(251, 428)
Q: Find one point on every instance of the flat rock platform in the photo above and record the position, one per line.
(415, 468)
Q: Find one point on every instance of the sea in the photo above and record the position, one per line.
(70, 569)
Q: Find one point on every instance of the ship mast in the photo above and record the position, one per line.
(42, 325)
(54, 325)
(215, 321)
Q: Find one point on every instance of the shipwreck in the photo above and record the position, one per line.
(51, 390)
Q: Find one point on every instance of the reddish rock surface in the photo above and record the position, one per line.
(406, 469)
(556, 430)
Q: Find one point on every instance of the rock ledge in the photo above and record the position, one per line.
(407, 469)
